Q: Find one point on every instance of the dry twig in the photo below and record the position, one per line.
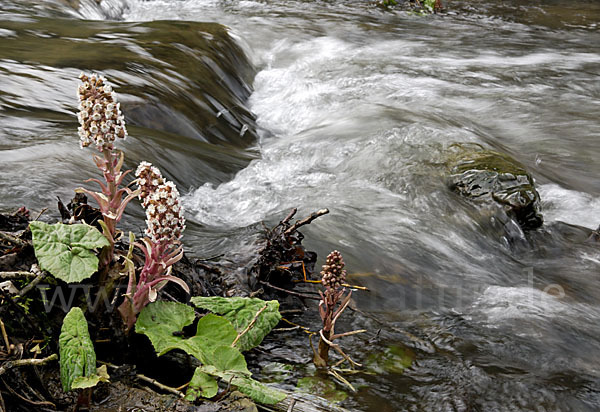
(39, 276)
(36, 403)
(154, 382)
(291, 292)
(13, 239)
(5, 336)
(26, 362)
(250, 325)
(305, 221)
(16, 275)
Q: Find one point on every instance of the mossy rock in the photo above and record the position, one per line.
(487, 176)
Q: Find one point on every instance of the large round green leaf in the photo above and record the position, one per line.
(67, 251)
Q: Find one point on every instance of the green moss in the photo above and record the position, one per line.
(321, 386)
(393, 359)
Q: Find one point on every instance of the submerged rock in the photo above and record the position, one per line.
(487, 176)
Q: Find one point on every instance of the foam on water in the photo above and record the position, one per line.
(502, 304)
(569, 206)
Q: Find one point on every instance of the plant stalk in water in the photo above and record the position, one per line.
(333, 277)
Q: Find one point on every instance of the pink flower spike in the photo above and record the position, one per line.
(99, 125)
(171, 278)
(119, 163)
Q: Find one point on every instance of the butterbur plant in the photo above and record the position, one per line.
(101, 123)
(162, 244)
(332, 304)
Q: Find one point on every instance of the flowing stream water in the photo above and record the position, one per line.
(347, 106)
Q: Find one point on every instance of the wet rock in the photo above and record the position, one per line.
(491, 177)
(594, 236)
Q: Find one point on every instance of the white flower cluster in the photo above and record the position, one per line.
(333, 273)
(99, 114)
(164, 214)
(149, 178)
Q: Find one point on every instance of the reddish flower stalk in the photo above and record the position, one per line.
(101, 123)
(333, 277)
(162, 245)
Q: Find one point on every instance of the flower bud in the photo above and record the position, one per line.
(333, 273)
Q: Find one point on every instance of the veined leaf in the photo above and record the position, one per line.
(201, 385)
(240, 312)
(216, 329)
(212, 331)
(211, 345)
(83, 382)
(159, 320)
(67, 251)
(227, 359)
(77, 356)
(259, 392)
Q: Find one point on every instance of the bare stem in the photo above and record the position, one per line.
(16, 275)
(5, 336)
(26, 362)
(354, 332)
(13, 239)
(250, 325)
(39, 277)
(306, 221)
(149, 380)
(109, 176)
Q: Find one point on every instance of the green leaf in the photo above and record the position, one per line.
(67, 251)
(89, 381)
(259, 392)
(240, 312)
(159, 320)
(229, 360)
(211, 345)
(212, 331)
(201, 385)
(216, 329)
(77, 356)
